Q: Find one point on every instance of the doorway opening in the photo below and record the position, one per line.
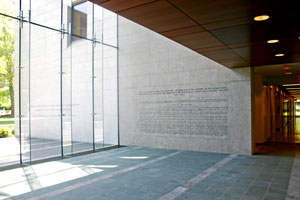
(277, 109)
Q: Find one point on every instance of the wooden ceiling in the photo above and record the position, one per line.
(222, 30)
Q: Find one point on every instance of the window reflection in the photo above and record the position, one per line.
(79, 20)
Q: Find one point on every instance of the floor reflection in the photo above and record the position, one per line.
(289, 133)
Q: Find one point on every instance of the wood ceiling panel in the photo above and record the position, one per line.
(208, 11)
(198, 40)
(158, 16)
(221, 55)
(119, 5)
(208, 49)
(296, 57)
(241, 45)
(183, 31)
(99, 1)
(234, 63)
(233, 35)
(228, 23)
(223, 30)
(244, 52)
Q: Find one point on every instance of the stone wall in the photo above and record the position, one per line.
(172, 97)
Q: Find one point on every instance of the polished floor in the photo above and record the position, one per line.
(131, 173)
(290, 132)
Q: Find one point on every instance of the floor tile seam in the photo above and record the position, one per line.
(244, 194)
(197, 179)
(271, 181)
(210, 187)
(88, 182)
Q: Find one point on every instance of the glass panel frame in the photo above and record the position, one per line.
(77, 69)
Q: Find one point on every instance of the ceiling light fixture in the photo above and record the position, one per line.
(279, 54)
(272, 41)
(261, 17)
(288, 73)
(290, 85)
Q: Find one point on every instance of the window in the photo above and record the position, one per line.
(79, 19)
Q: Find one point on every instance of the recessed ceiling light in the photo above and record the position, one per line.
(279, 54)
(261, 17)
(272, 41)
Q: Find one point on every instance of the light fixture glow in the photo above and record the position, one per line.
(292, 88)
(290, 85)
(261, 17)
(279, 54)
(288, 73)
(272, 41)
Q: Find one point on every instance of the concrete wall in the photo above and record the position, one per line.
(172, 97)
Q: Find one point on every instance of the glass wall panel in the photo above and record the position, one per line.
(66, 81)
(110, 96)
(9, 89)
(98, 22)
(45, 93)
(46, 12)
(109, 28)
(64, 94)
(82, 126)
(98, 96)
(25, 93)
